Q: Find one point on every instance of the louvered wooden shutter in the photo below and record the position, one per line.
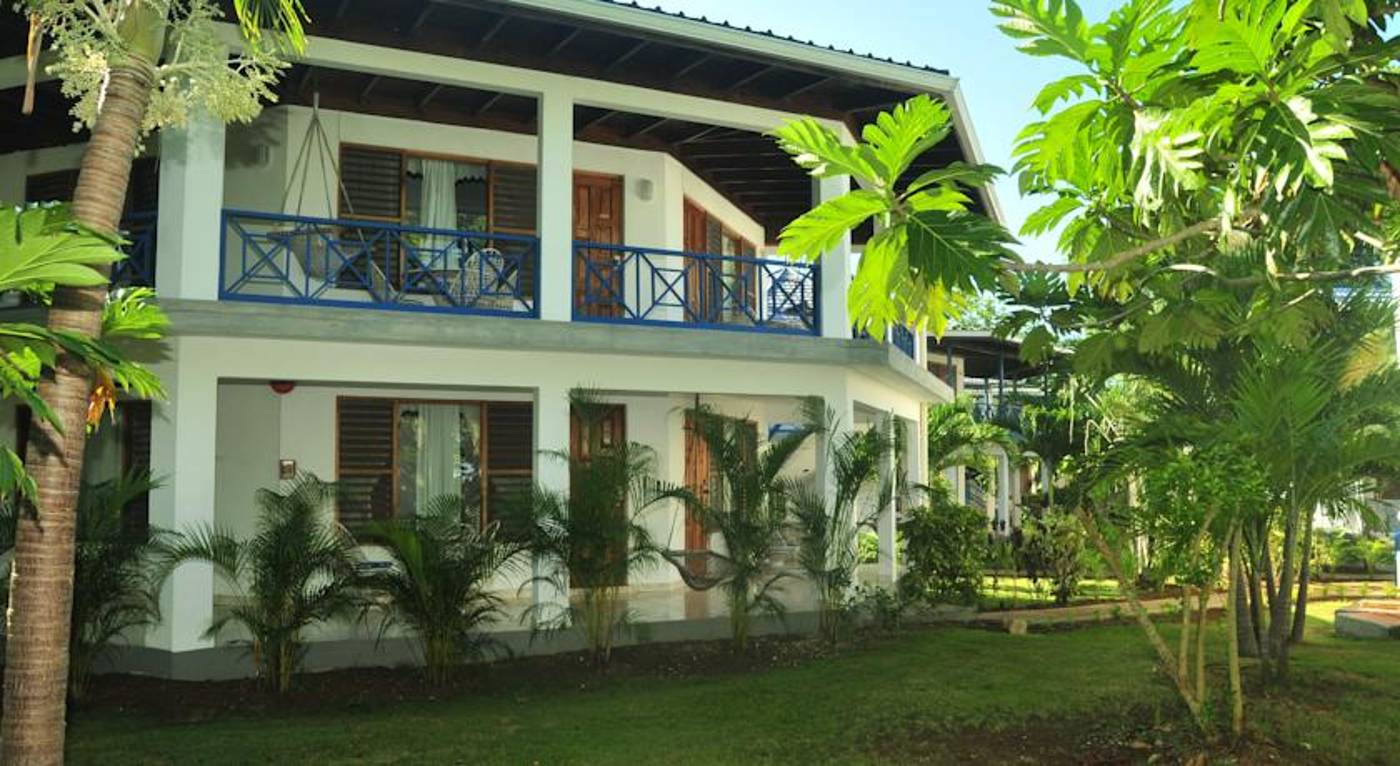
(513, 198)
(373, 183)
(365, 459)
(714, 236)
(57, 186)
(143, 192)
(510, 453)
(136, 456)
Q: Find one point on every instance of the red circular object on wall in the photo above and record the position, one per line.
(282, 386)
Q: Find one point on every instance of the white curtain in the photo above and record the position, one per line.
(438, 203)
(439, 451)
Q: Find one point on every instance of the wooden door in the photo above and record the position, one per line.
(698, 480)
(598, 272)
(696, 241)
(586, 439)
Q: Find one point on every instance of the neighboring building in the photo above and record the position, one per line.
(989, 370)
(456, 213)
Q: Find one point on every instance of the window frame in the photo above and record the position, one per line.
(487, 473)
(407, 154)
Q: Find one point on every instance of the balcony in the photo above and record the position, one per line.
(278, 258)
(138, 269)
(632, 285)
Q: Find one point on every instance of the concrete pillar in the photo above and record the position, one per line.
(182, 458)
(886, 524)
(1004, 491)
(835, 266)
(552, 474)
(189, 227)
(556, 206)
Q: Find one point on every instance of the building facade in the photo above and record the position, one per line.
(452, 217)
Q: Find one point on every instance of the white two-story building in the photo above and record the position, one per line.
(457, 211)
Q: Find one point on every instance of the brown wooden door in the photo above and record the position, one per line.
(586, 439)
(698, 481)
(598, 273)
(695, 241)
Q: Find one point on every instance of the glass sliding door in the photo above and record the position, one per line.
(439, 455)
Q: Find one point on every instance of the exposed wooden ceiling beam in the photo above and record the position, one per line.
(422, 19)
(695, 64)
(342, 9)
(492, 30)
(586, 124)
(627, 55)
(749, 78)
(488, 103)
(799, 90)
(564, 43)
(429, 96)
(369, 86)
(649, 127)
(704, 131)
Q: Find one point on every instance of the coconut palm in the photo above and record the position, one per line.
(114, 591)
(592, 537)
(438, 585)
(956, 438)
(298, 569)
(749, 508)
(827, 551)
(118, 58)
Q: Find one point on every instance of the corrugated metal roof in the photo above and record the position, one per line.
(774, 35)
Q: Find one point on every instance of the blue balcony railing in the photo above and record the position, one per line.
(903, 339)
(632, 285)
(277, 258)
(138, 269)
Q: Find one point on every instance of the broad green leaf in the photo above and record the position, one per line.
(975, 176)
(43, 245)
(1046, 27)
(898, 137)
(818, 149)
(819, 230)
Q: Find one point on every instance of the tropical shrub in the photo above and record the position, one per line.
(443, 562)
(946, 550)
(298, 569)
(114, 589)
(827, 548)
(748, 507)
(884, 606)
(1053, 549)
(591, 537)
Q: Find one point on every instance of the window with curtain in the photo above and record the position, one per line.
(395, 456)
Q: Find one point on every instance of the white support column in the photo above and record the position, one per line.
(835, 266)
(886, 524)
(552, 474)
(1004, 491)
(182, 459)
(839, 402)
(556, 206)
(189, 227)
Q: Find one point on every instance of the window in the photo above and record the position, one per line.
(437, 192)
(120, 445)
(726, 291)
(395, 456)
(142, 194)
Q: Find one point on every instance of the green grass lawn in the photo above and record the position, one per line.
(929, 695)
(1023, 593)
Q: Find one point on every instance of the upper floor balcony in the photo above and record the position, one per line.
(580, 163)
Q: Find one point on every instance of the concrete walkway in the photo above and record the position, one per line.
(1369, 619)
(1016, 620)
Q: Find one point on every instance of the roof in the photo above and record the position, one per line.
(984, 355)
(776, 36)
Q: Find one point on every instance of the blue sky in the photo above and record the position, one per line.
(961, 36)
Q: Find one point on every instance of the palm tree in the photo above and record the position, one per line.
(114, 590)
(592, 537)
(956, 438)
(128, 41)
(443, 562)
(749, 510)
(827, 549)
(300, 568)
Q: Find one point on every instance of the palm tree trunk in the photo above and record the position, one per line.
(1282, 607)
(1300, 612)
(41, 580)
(1233, 599)
(1247, 639)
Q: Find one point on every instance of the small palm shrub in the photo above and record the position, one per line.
(945, 550)
(442, 564)
(1053, 548)
(114, 577)
(298, 569)
(749, 509)
(828, 549)
(592, 537)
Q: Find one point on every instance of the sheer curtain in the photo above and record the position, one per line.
(439, 451)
